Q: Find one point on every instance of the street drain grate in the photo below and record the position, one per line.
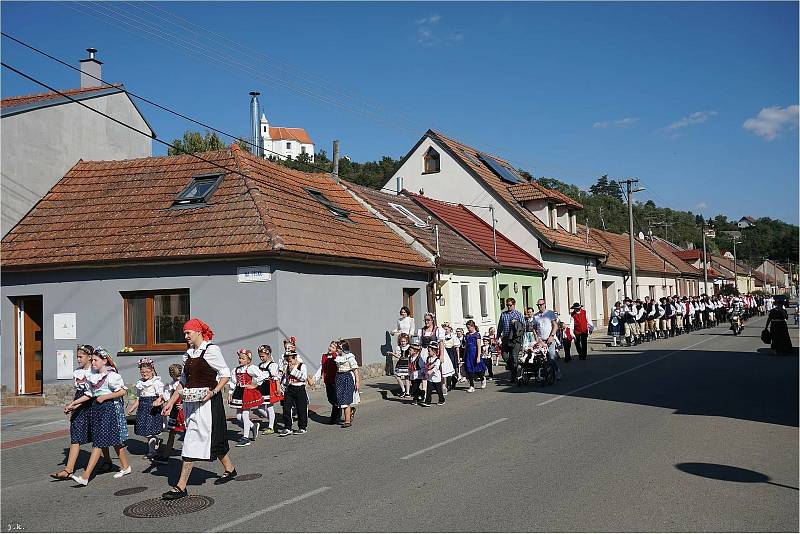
(129, 491)
(251, 476)
(153, 508)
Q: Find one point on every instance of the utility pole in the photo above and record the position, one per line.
(735, 277)
(335, 172)
(705, 262)
(629, 183)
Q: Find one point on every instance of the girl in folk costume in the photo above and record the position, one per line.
(434, 368)
(327, 373)
(175, 419)
(473, 362)
(80, 417)
(487, 344)
(494, 351)
(149, 397)
(245, 395)
(204, 376)
(290, 346)
(401, 367)
(348, 382)
(295, 394)
(564, 336)
(417, 372)
(270, 387)
(432, 332)
(451, 343)
(103, 386)
(460, 340)
(615, 324)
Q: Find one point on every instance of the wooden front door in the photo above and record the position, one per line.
(605, 302)
(30, 354)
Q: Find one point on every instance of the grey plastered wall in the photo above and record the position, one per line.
(40, 146)
(315, 303)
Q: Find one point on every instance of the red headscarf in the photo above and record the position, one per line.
(199, 326)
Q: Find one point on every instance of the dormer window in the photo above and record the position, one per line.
(551, 209)
(431, 161)
(338, 212)
(199, 190)
(573, 227)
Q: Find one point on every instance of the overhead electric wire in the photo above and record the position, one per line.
(196, 156)
(124, 17)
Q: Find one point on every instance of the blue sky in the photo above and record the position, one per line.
(699, 100)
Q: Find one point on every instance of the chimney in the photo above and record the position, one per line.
(91, 70)
(255, 133)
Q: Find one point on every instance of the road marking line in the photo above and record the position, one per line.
(445, 442)
(272, 508)
(624, 372)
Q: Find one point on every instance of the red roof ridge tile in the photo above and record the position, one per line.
(49, 95)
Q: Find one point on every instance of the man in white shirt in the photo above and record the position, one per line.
(546, 327)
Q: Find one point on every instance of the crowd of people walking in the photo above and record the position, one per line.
(432, 359)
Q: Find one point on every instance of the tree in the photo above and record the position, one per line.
(193, 142)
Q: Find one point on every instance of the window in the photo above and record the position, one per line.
(199, 190)
(556, 298)
(503, 172)
(408, 298)
(551, 209)
(502, 294)
(288, 146)
(154, 320)
(302, 150)
(580, 290)
(410, 216)
(338, 212)
(652, 291)
(482, 288)
(465, 301)
(570, 300)
(431, 161)
(526, 296)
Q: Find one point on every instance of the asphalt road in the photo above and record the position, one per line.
(694, 433)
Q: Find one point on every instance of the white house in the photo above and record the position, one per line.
(539, 220)
(746, 222)
(46, 134)
(285, 142)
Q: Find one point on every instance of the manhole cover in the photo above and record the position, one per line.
(251, 476)
(153, 508)
(129, 491)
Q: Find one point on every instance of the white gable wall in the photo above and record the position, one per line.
(454, 184)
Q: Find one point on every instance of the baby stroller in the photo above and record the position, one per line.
(535, 365)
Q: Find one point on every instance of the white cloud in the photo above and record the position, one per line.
(770, 122)
(697, 117)
(428, 37)
(620, 123)
(701, 205)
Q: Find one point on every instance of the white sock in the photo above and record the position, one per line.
(246, 423)
(151, 445)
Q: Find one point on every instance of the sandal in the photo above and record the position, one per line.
(59, 476)
(347, 425)
(352, 414)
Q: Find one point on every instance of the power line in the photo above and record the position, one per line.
(196, 156)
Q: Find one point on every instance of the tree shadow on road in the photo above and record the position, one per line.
(740, 385)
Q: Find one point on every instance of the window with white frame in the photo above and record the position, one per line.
(419, 223)
(483, 290)
(465, 301)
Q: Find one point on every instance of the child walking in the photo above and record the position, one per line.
(175, 420)
(149, 397)
(434, 369)
(488, 351)
(269, 388)
(295, 394)
(417, 372)
(473, 362)
(401, 372)
(564, 336)
(245, 395)
(493, 352)
(104, 386)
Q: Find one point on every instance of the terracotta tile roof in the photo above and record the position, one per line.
(454, 250)
(119, 212)
(12, 101)
(618, 246)
(535, 191)
(666, 251)
(290, 134)
(553, 238)
(693, 254)
(478, 232)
